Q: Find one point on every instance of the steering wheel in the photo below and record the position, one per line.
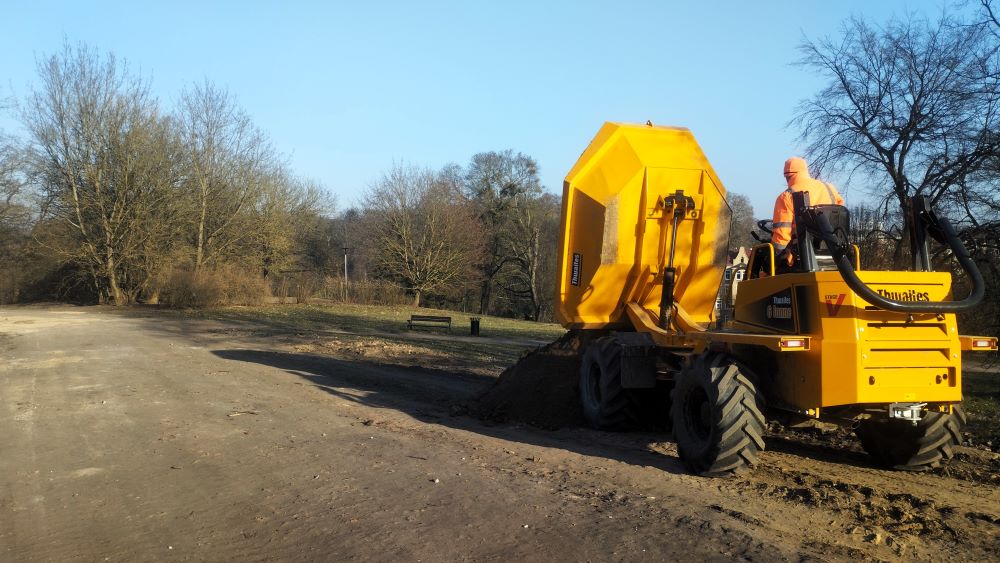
(765, 226)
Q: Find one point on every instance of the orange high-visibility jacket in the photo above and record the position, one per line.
(820, 193)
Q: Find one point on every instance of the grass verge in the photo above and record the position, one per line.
(379, 333)
(981, 398)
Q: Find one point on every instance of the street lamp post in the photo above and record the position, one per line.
(346, 248)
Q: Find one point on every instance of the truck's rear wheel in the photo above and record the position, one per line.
(899, 444)
(718, 423)
(606, 405)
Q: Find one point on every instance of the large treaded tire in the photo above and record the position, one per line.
(898, 444)
(718, 417)
(606, 405)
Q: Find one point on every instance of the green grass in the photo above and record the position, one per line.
(502, 340)
(981, 394)
(373, 318)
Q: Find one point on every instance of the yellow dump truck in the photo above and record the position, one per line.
(645, 236)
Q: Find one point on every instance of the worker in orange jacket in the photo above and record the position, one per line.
(798, 179)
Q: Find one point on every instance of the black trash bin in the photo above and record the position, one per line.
(474, 326)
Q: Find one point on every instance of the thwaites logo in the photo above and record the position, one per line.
(833, 303)
(780, 307)
(777, 311)
(577, 265)
(905, 295)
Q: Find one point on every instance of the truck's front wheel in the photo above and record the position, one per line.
(718, 423)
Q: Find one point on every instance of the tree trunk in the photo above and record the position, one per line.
(200, 251)
(115, 294)
(485, 295)
(536, 302)
(900, 254)
(416, 297)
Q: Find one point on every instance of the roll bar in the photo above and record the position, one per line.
(924, 220)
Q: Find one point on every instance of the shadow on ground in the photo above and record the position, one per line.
(437, 397)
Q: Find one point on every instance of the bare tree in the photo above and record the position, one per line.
(992, 16)
(423, 230)
(530, 242)
(913, 105)
(15, 219)
(13, 211)
(103, 156)
(495, 182)
(872, 231)
(227, 163)
(286, 205)
(743, 222)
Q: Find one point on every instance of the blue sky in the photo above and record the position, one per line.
(347, 88)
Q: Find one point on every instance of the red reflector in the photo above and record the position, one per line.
(792, 343)
(982, 344)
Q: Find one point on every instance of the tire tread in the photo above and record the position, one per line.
(899, 445)
(738, 428)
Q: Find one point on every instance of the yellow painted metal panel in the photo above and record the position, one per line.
(616, 232)
(852, 340)
(900, 330)
(897, 385)
(904, 355)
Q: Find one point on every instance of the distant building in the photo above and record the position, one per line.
(736, 269)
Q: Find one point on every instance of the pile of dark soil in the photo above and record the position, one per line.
(541, 388)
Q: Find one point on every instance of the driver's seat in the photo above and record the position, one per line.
(840, 220)
(812, 253)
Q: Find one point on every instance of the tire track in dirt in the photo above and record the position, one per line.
(814, 494)
(893, 513)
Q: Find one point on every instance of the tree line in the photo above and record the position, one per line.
(111, 196)
(482, 238)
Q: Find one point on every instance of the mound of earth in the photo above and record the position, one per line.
(541, 388)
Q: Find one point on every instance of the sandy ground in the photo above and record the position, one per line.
(145, 438)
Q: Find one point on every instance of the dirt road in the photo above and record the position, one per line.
(144, 438)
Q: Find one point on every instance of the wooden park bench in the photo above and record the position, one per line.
(428, 321)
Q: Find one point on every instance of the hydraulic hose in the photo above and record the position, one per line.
(950, 238)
